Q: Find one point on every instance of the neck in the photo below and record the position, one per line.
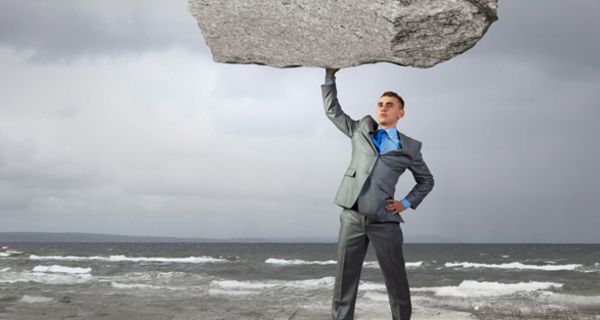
(387, 126)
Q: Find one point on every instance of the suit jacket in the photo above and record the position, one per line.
(371, 177)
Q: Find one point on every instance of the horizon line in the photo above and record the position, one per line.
(257, 239)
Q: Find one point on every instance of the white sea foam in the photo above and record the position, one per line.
(34, 299)
(366, 264)
(325, 282)
(370, 286)
(308, 284)
(4, 247)
(9, 253)
(243, 285)
(61, 269)
(4, 269)
(158, 275)
(472, 288)
(45, 277)
(54, 274)
(297, 261)
(375, 264)
(514, 265)
(413, 264)
(371, 264)
(120, 285)
(213, 291)
(122, 258)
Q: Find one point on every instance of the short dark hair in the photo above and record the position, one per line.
(393, 94)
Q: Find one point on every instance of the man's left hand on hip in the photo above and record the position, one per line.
(394, 206)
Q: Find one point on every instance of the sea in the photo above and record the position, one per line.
(292, 281)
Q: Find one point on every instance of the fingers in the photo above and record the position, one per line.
(391, 206)
(331, 71)
(394, 206)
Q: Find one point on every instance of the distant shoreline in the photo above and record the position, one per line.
(61, 237)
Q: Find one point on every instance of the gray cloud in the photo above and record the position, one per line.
(60, 31)
(561, 38)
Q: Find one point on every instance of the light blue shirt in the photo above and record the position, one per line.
(390, 142)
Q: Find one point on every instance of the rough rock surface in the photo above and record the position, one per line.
(341, 33)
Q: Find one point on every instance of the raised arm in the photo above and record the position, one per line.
(424, 180)
(333, 110)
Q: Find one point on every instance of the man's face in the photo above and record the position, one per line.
(388, 111)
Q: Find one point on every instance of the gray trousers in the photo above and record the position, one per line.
(355, 233)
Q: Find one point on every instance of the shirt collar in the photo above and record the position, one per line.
(391, 132)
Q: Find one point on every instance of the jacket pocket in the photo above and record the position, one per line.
(350, 172)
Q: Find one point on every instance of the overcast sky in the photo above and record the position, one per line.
(115, 119)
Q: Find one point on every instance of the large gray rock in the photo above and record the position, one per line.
(341, 33)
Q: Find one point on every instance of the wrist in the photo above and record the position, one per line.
(405, 203)
(329, 79)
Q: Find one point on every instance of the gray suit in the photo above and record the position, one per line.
(368, 181)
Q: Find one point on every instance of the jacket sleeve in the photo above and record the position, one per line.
(334, 111)
(423, 177)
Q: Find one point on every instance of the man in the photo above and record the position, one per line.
(380, 154)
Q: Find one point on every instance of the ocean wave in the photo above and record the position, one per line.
(9, 253)
(472, 288)
(61, 269)
(308, 284)
(413, 264)
(235, 284)
(213, 291)
(371, 286)
(144, 286)
(371, 264)
(297, 261)
(160, 275)
(123, 258)
(4, 269)
(324, 282)
(514, 265)
(57, 278)
(375, 264)
(366, 264)
(34, 299)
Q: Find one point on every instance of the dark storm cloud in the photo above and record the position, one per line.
(64, 30)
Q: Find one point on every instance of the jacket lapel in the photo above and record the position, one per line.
(372, 128)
